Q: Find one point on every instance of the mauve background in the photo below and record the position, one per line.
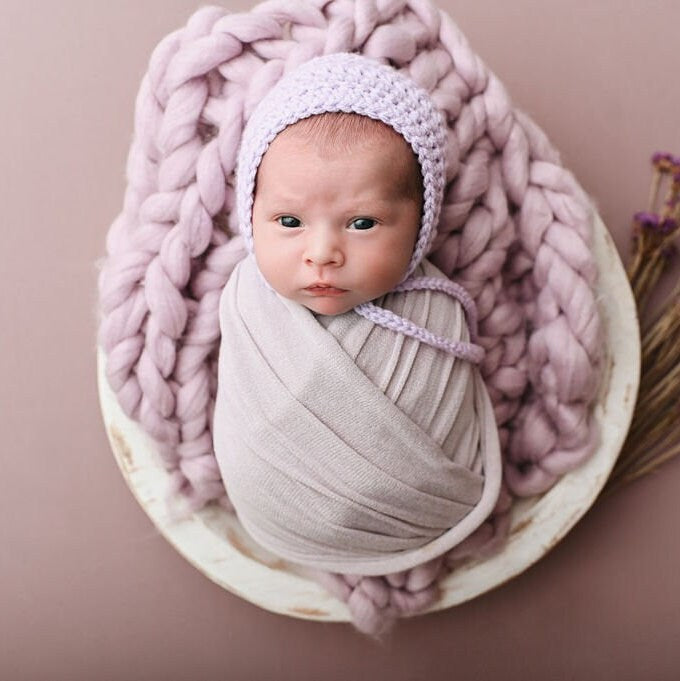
(88, 590)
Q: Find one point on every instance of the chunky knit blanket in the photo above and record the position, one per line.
(515, 231)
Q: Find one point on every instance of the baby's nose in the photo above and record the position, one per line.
(323, 247)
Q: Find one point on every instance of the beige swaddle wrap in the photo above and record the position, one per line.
(344, 445)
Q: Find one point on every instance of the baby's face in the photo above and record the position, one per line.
(333, 228)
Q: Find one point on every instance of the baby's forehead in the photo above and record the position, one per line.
(334, 134)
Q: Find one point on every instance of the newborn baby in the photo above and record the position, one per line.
(352, 428)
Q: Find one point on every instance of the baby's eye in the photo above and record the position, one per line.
(288, 221)
(362, 223)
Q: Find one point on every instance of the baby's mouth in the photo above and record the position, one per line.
(323, 289)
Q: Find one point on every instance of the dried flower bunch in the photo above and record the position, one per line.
(654, 435)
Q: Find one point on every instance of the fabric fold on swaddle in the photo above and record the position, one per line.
(344, 445)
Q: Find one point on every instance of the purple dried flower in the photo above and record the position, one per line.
(659, 156)
(646, 219)
(653, 223)
(667, 226)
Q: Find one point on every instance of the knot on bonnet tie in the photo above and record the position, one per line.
(350, 83)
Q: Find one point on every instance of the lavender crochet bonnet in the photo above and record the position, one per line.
(350, 83)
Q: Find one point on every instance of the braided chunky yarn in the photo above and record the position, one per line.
(514, 231)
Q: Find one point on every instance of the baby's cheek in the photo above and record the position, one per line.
(384, 272)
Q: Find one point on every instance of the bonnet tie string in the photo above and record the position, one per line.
(471, 352)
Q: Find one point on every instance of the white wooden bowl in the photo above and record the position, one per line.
(214, 542)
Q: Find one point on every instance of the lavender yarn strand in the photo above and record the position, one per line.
(451, 288)
(390, 320)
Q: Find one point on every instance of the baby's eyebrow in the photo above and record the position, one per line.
(282, 199)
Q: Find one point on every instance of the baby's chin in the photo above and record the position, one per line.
(328, 306)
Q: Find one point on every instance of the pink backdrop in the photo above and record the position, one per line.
(88, 590)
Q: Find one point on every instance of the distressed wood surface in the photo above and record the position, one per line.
(214, 542)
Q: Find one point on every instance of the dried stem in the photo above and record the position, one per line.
(654, 435)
